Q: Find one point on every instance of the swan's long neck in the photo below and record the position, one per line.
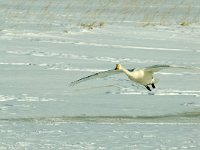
(126, 71)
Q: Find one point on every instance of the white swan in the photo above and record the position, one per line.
(142, 76)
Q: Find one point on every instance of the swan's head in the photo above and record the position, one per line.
(118, 67)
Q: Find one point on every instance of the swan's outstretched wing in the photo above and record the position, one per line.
(96, 75)
(157, 68)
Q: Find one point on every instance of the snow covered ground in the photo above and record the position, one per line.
(45, 45)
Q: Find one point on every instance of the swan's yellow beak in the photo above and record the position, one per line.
(117, 67)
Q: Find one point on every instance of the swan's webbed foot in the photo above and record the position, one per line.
(148, 88)
(153, 85)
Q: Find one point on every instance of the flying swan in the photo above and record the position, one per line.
(142, 76)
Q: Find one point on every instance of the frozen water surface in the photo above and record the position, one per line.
(45, 45)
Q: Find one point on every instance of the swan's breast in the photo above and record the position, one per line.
(141, 77)
(137, 75)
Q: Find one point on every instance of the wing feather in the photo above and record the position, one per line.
(102, 74)
(157, 68)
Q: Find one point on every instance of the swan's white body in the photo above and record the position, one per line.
(142, 76)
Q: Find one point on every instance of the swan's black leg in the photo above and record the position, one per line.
(153, 86)
(148, 88)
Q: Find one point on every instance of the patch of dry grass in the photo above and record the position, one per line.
(90, 26)
(185, 23)
(66, 31)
